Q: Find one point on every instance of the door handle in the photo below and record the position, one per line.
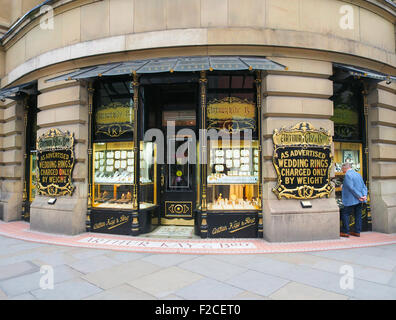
(162, 180)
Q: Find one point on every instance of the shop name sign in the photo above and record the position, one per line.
(114, 119)
(302, 161)
(231, 114)
(55, 163)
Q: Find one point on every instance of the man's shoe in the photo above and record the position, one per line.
(344, 235)
(355, 234)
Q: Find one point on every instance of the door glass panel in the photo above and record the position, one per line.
(179, 166)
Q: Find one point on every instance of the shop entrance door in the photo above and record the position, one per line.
(178, 182)
(172, 108)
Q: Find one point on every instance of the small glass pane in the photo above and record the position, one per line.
(148, 174)
(179, 167)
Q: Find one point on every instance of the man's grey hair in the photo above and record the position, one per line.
(347, 165)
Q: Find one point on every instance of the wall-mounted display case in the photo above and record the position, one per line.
(233, 175)
(113, 175)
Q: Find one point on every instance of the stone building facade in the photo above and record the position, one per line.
(309, 37)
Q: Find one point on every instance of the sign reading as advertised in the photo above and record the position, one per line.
(231, 114)
(114, 120)
(55, 162)
(302, 160)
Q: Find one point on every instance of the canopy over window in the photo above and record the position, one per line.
(15, 92)
(178, 64)
(365, 73)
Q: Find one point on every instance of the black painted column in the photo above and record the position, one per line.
(91, 91)
(136, 149)
(203, 81)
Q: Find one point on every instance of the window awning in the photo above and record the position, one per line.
(13, 92)
(365, 73)
(178, 64)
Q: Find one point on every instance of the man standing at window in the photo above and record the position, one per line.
(354, 194)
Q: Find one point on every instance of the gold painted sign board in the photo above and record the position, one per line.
(231, 114)
(114, 120)
(302, 160)
(55, 163)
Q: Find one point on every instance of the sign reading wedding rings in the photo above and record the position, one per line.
(55, 162)
(231, 114)
(302, 160)
(114, 120)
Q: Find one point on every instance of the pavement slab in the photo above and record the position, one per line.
(166, 281)
(120, 274)
(298, 291)
(122, 292)
(208, 289)
(75, 289)
(212, 268)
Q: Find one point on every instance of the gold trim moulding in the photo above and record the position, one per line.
(177, 222)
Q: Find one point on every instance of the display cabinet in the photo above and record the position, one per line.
(233, 175)
(346, 152)
(148, 175)
(113, 175)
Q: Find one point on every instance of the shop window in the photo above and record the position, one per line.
(113, 149)
(233, 158)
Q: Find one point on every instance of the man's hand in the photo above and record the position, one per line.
(362, 199)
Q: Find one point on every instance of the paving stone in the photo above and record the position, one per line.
(212, 268)
(298, 291)
(172, 297)
(257, 282)
(239, 259)
(93, 264)
(360, 272)
(165, 282)
(123, 292)
(249, 296)
(25, 296)
(126, 256)
(115, 276)
(17, 269)
(392, 281)
(3, 296)
(20, 285)
(54, 259)
(357, 258)
(82, 253)
(208, 289)
(167, 260)
(366, 290)
(26, 283)
(75, 289)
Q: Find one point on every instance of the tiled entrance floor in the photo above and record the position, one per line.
(172, 232)
(182, 241)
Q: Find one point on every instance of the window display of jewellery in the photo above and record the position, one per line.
(113, 175)
(233, 163)
(233, 202)
(233, 175)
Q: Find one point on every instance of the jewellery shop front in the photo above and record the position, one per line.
(177, 142)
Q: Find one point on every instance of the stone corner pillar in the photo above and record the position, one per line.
(299, 94)
(11, 159)
(64, 106)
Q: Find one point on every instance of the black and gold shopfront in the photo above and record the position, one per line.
(176, 146)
